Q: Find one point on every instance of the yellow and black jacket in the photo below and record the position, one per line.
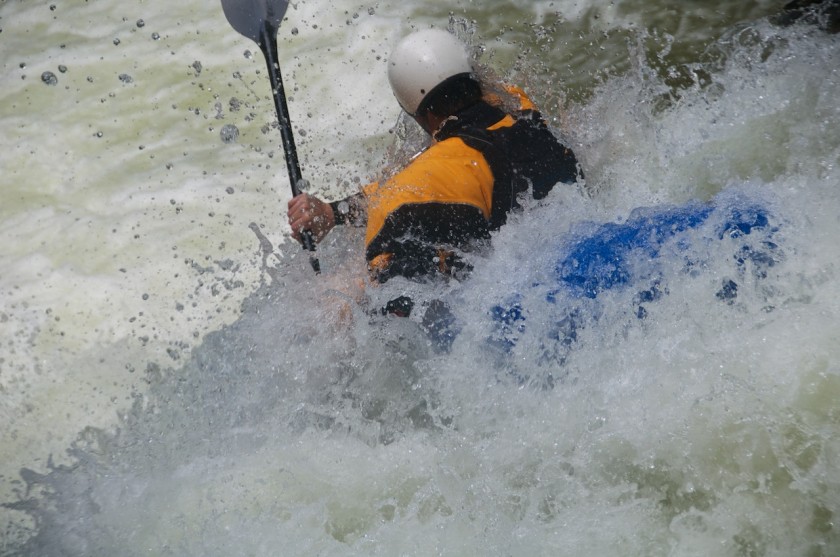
(461, 188)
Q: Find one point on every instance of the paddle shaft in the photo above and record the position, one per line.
(268, 45)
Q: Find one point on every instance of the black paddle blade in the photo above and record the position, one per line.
(249, 17)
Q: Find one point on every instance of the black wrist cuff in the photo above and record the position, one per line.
(338, 216)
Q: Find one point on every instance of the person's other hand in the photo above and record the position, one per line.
(307, 212)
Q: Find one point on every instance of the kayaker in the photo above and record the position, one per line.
(485, 152)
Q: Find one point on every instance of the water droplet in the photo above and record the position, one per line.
(229, 190)
(49, 78)
(22, 65)
(125, 78)
(229, 133)
(116, 42)
(52, 7)
(295, 31)
(62, 68)
(98, 134)
(155, 36)
(141, 23)
(248, 54)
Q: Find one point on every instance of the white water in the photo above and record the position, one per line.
(221, 417)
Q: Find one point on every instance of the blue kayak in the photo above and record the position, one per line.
(608, 257)
(636, 257)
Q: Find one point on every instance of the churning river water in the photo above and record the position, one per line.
(174, 380)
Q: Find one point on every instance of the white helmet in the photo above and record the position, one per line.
(421, 61)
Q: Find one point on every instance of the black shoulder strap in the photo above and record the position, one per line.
(520, 156)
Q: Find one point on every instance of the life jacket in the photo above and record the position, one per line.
(460, 189)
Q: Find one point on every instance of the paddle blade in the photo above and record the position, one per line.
(249, 17)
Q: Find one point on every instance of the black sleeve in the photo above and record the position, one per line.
(420, 237)
(350, 210)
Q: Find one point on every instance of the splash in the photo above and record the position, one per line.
(706, 424)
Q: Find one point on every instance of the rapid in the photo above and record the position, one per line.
(174, 379)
